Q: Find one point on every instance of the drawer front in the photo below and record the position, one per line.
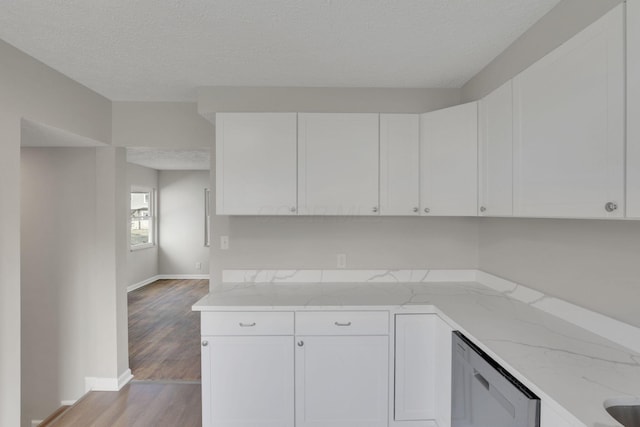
(246, 323)
(342, 323)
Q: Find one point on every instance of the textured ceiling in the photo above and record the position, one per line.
(169, 159)
(150, 50)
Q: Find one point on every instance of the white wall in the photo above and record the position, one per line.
(141, 264)
(181, 222)
(57, 249)
(30, 89)
(591, 263)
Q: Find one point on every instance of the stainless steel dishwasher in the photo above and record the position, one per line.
(484, 394)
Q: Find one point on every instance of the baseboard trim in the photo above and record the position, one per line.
(182, 276)
(36, 423)
(68, 402)
(150, 280)
(141, 284)
(107, 384)
(125, 378)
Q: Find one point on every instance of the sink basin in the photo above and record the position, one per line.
(626, 410)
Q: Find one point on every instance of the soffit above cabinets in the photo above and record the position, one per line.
(162, 51)
(170, 159)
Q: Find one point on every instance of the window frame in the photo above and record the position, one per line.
(151, 218)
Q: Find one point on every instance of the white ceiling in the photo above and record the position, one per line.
(170, 159)
(150, 50)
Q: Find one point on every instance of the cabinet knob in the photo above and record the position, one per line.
(610, 207)
(205, 343)
(375, 209)
(483, 209)
(292, 209)
(427, 210)
(300, 343)
(416, 209)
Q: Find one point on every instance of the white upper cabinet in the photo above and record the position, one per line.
(256, 164)
(399, 164)
(496, 153)
(569, 127)
(338, 164)
(633, 108)
(449, 161)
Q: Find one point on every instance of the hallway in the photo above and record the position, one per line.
(164, 334)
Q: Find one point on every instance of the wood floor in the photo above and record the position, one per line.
(138, 404)
(164, 334)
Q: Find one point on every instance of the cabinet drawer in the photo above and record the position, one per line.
(342, 323)
(246, 323)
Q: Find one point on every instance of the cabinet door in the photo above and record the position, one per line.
(248, 381)
(422, 369)
(342, 381)
(569, 127)
(449, 161)
(415, 386)
(496, 153)
(633, 108)
(338, 164)
(256, 164)
(399, 164)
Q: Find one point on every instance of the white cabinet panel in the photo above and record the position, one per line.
(496, 153)
(246, 323)
(342, 323)
(399, 164)
(342, 381)
(633, 108)
(422, 369)
(256, 164)
(248, 381)
(569, 127)
(415, 387)
(338, 164)
(449, 161)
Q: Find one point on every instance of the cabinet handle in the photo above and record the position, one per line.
(427, 210)
(293, 210)
(342, 324)
(205, 343)
(247, 325)
(375, 209)
(610, 207)
(416, 209)
(300, 343)
(483, 209)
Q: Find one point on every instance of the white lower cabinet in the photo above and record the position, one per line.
(336, 370)
(422, 369)
(247, 381)
(342, 381)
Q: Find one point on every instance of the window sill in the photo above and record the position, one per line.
(141, 247)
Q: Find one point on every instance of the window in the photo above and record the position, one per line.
(142, 219)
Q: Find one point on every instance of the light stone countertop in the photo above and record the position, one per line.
(559, 361)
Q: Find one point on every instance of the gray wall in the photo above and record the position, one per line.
(31, 90)
(57, 248)
(141, 264)
(181, 222)
(592, 263)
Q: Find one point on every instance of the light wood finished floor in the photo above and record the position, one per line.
(164, 334)
(139, 404)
